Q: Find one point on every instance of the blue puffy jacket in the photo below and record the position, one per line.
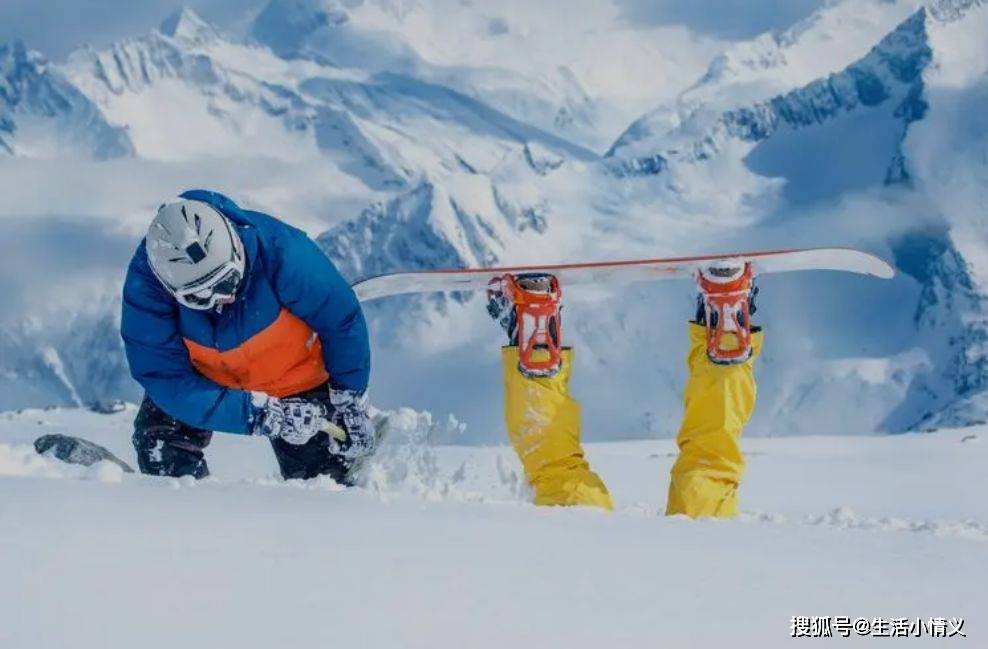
(295, 323)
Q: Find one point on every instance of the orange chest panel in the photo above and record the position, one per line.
(281, 360)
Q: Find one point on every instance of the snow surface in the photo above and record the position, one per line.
(442, 549)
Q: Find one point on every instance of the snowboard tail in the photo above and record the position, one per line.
(622, 272)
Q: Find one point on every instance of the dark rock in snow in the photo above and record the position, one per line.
(76, 450)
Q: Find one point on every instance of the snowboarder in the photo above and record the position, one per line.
(234, 321)
(543, 420)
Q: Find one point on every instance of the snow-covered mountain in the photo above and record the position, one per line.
(889, 75)
(330, 33)
(42, 114)
(412, 135)
(465, 219)
(518, 57)
(944, 153)
(847, 132)
(185, 92)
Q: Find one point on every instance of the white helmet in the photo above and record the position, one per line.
(196, 253)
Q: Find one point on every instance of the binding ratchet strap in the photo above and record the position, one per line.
(728, 319)
(537, 311)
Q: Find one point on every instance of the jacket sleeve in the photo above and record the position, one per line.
(160, 362)
(311, 287)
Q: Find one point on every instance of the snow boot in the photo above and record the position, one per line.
(528, 309)
(725, 304)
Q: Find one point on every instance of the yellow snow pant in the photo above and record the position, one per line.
(544, 428)
(718, 400)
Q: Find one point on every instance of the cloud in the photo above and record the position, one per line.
(58, 262)
(725, 19)
(56, 27)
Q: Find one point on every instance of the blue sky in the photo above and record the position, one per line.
(725, 19)
(55, 27)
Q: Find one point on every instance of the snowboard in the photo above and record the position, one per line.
(613, 272)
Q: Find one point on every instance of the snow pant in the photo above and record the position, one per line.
(718, 400)
(168, 447)
(543, 424)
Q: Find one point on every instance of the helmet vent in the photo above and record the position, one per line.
(195, 252)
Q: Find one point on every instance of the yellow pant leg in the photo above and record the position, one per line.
(718, 400)
(544, 428)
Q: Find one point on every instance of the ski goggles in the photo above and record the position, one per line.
(219, 286)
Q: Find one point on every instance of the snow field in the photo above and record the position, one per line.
(442, 548)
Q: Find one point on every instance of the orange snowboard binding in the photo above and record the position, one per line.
(726, 287)
(530, 304)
